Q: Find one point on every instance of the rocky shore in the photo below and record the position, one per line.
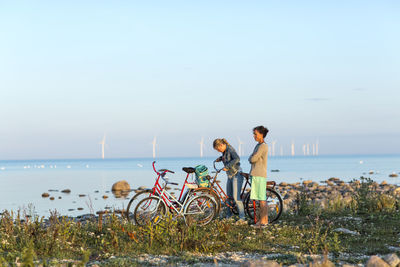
(329, 191)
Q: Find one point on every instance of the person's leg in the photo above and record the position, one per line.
(263, 212)
(229, 193)
(237, 188)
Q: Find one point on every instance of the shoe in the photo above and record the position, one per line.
(241, 222)
(259, 226)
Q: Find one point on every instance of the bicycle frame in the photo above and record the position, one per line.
(157, 188)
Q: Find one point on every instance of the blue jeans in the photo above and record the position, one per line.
(233, 190)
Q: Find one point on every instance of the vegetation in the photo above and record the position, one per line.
(305, 231)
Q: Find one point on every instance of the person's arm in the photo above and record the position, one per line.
(234, 159)
(258, 154)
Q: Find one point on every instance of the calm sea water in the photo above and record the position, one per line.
(23, 182)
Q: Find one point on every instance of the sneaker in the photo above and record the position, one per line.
(241, 222)
(259, 226)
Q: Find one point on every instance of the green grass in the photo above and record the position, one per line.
(292, 239)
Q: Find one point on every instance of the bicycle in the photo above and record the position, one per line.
(200, 209)
(274, 200)
(156, 190)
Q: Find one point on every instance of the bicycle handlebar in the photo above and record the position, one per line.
(215, 168)
(161, 170)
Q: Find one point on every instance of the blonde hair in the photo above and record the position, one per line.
(220, 141)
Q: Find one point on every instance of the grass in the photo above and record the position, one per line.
(308, 230)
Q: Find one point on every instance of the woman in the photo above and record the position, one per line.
(234, 183)
(258, 161)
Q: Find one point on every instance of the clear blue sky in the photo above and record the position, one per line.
(71, 71)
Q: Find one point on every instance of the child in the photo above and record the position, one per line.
(231, 162)
(258, 161)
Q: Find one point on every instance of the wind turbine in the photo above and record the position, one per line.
(273, 147)
(201, 147)
(292, 148)
(240, 146)
(154, 143)
(103, 143)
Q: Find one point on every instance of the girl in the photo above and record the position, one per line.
(231, 162)
(258, 161)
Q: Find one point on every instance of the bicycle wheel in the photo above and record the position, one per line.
(134, 201)
(149, 210)
(211, 193)
(200, 210)
(275, 206)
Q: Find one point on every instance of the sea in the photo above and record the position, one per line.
(24, 181)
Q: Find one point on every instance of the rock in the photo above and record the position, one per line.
(324, 263)
(371, 172)
(80, 208)
(392, 260)
(45, 195)
(141, 188)
(105, 196)
(307, 182)
(283, 184)
(82, 195)
(66, 191)
(59, 197)
(51, 198)
(261, 263)
(53, 190)
(275, 170)
(375, 261)
(397, 191)
(333, 179)
(71, 209)
(97, 191)
(393, 175)
(346, 231)
(121, 186)
(384, 183)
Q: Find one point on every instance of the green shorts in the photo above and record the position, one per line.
(258, 188)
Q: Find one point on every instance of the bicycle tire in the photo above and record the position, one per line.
(143, 215)
(130, 209)
(202, 210)
(210, 192)
(275, 206)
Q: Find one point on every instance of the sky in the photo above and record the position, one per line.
(72, 71)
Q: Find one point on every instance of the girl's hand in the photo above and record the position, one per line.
(224, 169)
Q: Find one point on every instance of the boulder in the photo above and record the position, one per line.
(121, 186)
(82, 195)
(105, 196)
(375, 261)
(392, 260)
(45, 195)
(393, 175)
(307, 182)
(51, 198)
(66, 191)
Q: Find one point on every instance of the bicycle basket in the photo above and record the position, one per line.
(201, 172)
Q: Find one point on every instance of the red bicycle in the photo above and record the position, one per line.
(156, 190)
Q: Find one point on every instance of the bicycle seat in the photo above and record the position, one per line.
(165, 170)
(188, 169)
